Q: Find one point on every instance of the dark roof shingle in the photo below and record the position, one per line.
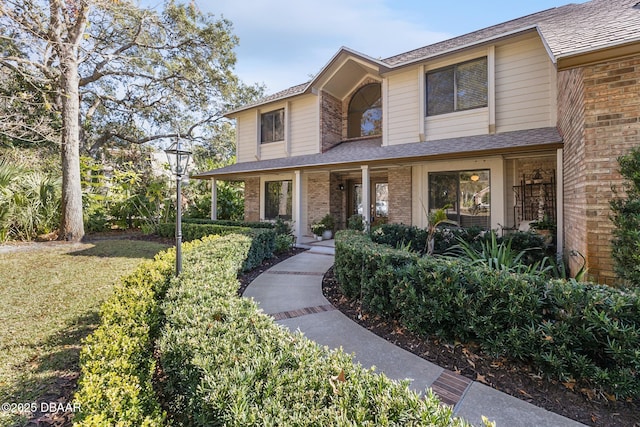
(371, 151)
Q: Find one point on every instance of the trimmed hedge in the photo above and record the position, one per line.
(223, 361)
(263, 239)
(117, 363)
(569, 330)
(227, 363)
(230, 223)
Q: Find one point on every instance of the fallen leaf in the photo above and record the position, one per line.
(611, 397)
(570, 385)
(481, 378)
(524, 393)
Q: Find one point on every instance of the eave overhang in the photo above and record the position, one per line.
(370, 152)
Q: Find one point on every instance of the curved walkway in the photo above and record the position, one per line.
(291, 292)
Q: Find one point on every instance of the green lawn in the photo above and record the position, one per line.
(50, 297)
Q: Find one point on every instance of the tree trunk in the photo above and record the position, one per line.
(71, 224)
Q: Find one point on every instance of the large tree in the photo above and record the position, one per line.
(116, 73)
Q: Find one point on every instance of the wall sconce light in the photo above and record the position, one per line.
(341, 187)
(475, 177)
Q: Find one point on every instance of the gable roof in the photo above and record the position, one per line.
(566, 31)
(372, 151)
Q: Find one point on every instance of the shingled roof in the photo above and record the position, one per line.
(371, 151)
(565, 30)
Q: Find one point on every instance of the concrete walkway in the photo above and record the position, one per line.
(291, 292)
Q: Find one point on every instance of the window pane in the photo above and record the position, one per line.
(365, 112)
(467, 193)
(440, 92)
(278, 125)
(278, 200)
(382, 200)
(272, 126)
(471, 84)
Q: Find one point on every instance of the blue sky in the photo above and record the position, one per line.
(284, 42)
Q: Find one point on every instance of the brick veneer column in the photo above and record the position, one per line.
(400, 195)
(252, 199)
(595, 136)
(317, 197)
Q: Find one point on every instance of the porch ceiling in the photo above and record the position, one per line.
(371, 152)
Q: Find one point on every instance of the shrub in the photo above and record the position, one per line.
(625, 248)
(227, 363)
(117, 362)
(569, 330)
(263, 246)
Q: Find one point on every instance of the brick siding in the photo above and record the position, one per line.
(317, 197)
(252, 199)
(330, 121)
(400, 195)
(610, 129)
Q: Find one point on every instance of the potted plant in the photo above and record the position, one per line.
(329, 226)
(318, 228)
(545, 227)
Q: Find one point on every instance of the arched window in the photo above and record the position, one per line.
(365, 112)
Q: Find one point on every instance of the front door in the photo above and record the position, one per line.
(379, 209)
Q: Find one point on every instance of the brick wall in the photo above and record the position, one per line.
(610, 129)
(400, 195)
(571, 126)
(330, 121)
(338, 200)
(252, 199)
(317, 197)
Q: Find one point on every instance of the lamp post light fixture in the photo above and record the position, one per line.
(178, 162)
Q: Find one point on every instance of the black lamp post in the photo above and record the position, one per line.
(178, 161)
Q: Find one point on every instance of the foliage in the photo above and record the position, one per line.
(124, 192)
(625, 215)
(355, 222)
(284, 236)
(132, 75)
(326, 223)
(500, 256)
(224, 361)
(117, 359)
(263, 239)
(29, 201)
(570, 331)
(229, 364)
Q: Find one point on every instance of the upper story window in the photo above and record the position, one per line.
(458, 87)
(272, 126)
(365, 112)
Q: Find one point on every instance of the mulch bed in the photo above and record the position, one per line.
(516, 379)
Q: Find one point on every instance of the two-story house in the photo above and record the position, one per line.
(505, 125)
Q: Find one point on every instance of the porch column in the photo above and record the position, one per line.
(366, 196)
(214, 199)
(560, 203)
(297, 205)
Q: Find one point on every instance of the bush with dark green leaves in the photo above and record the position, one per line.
(625, 247)
(568, 330)
(223, 361)
(263, 239)
(117, 363)
(227, 363)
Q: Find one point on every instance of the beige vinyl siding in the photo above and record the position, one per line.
(525, 96)
(272, 150)
(305, 126)
(458, 124)
(246, 136)
(403, 107)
